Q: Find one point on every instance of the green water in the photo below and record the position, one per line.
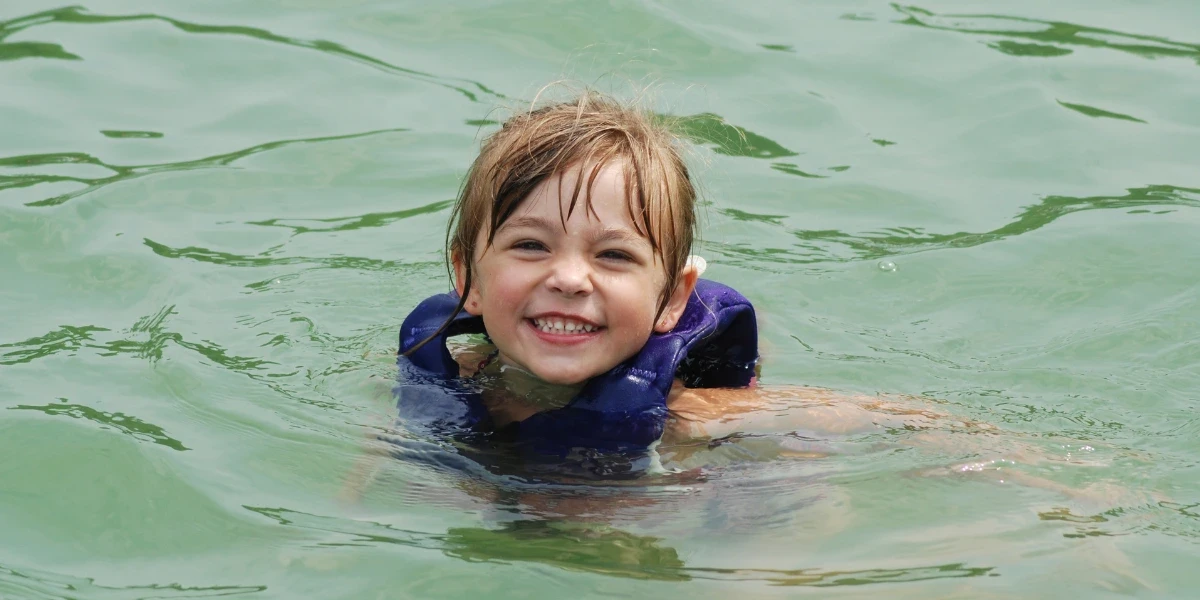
(214, 216)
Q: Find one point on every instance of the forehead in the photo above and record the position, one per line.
(585, 193)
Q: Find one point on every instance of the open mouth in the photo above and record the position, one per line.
(563, 326)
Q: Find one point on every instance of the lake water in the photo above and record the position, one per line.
(214, 216)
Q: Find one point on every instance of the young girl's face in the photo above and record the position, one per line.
(567, 303)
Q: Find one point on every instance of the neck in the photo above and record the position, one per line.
(525, 387)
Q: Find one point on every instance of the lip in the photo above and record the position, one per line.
(562, 315)
(563, 339)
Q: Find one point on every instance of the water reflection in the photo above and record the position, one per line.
(129, 425)
(1018, 49)
(228, 259)
(67, 338)
(354, 222)
(1092, 111)
(121, 173)
(713, 131)
(1151, 517)
(705, 129)
(576, 547)
(79, 15)
(794, 169)
(589, 547)
(829, 245)
(823, 578)
(571, 546)
(145, 340)
(20, 582)
(755, 488)
(19, 50)
(130, 134)
(1047, 37)
(348, 532)
(607, 551)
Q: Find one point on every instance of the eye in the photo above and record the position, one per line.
(529, 246)
(617, 255)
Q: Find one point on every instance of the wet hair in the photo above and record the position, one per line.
(584, 134)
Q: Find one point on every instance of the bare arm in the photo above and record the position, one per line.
(718, 412)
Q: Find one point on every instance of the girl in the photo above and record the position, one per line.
(569, 245)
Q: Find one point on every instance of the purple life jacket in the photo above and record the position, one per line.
(714, 344)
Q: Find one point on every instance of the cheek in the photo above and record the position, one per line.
(639, 303)
(499, 291)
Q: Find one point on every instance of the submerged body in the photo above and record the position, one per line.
(694, 415)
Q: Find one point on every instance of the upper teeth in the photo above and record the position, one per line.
(562, 325)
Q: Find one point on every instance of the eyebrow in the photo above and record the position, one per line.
(604, 235)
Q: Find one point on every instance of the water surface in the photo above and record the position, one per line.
(215, 215)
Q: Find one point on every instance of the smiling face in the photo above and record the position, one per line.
(570, 300)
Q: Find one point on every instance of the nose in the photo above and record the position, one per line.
(570, 276)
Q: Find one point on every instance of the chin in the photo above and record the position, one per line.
(563, 380)
(561, 377)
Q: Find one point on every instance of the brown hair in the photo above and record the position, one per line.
(585, 133)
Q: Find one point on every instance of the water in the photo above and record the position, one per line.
(214, 215)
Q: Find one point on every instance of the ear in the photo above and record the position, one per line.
(679, 298)
(460, 282)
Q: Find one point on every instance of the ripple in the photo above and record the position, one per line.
(714, 132)
(68, 339)
(22, 582)
(741, 215)
(356, 222)
(705, 129)
(569, 546)
(228, 259)
(121, 173)
(831, 578)
(124, 134)
(591, 548)
(80, 16)
(1154, 516)
(346, 531)
(1092, 111)
(793, 169)
(129, 425)
(1045, 34)
(19, 50)
(1018, 49)
(65, 339)
(826, 245)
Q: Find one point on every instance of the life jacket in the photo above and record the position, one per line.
(714, 344)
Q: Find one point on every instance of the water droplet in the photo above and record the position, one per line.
(887, 265)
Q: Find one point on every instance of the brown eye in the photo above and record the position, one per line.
(617, 255)
(529, 246)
